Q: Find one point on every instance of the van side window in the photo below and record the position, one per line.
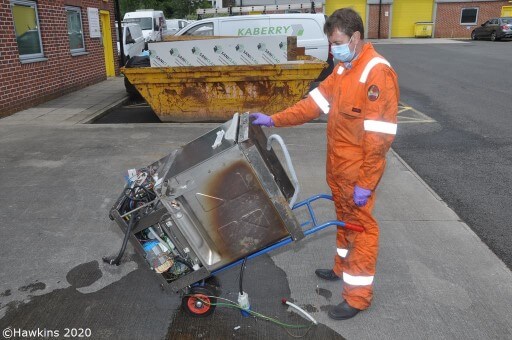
(204, 29)
(128, 35)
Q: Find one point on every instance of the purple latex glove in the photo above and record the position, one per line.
(261, 119)
(361, 196)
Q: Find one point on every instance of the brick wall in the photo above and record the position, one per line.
(25, 85)
(373, 22)
(448, 17)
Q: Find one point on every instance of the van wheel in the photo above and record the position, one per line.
(473, 36)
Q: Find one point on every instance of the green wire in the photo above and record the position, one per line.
(260, 315)
(233, 304)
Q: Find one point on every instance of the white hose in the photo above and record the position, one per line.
(302, 311)
(289, 163)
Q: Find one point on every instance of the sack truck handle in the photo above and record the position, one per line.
(295, 181)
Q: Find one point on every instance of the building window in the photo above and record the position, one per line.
(469, 16)
(26, 26)
(75, 32)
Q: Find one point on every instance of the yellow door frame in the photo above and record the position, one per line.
(506, 11)
(107, 43)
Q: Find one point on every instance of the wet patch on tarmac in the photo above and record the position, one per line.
(133, 307)
(136, 307)
(84, 274)
(266, 285)
(327, 294)
(309, 308)
(325, 308)
(32, 287)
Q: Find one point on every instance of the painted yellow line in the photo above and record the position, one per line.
(403, 108)
(422, 118)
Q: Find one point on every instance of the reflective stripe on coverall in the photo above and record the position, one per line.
(362, 103)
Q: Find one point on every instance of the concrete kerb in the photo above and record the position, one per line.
(90, 118)
(415, 174)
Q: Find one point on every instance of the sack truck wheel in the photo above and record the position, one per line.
(199, 301)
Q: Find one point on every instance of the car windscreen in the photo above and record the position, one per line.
(506, 20)
(204, 29)
(145, 23)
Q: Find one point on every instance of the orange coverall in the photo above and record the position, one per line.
(362, 103)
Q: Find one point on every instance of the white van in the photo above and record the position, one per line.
(133, 40)
(151, 22)
(309, 29)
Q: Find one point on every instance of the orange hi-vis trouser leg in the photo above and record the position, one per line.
(356, 255)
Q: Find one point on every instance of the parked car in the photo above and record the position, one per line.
(133, 40)
(494, 29)
(174, 25)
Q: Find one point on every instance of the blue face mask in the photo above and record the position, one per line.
(342, 52)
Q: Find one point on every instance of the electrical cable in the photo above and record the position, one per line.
(184, 261)
(233, 304)
(146, 197)
(131, 224)
(130, 192)
(241, 278)
(148, 192)
(134, 190)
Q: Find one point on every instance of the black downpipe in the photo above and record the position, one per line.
(119, 31)
(380, 14)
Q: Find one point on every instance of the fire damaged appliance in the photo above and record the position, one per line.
(215, 201)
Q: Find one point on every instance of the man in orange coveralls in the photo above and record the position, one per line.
(361, 99)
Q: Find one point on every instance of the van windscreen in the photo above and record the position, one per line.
(144, 23)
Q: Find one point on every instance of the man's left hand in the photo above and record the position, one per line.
(361, 196)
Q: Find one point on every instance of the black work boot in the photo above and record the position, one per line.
(327, 274)
(343, 311)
